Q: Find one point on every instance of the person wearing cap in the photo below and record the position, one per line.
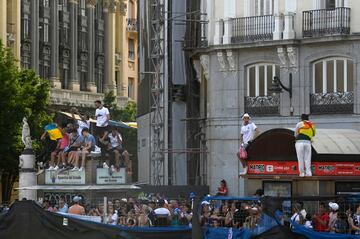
(249, 131)
(334, 207)
(76, 208)
(304, 132)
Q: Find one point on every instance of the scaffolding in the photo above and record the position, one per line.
(157, 117)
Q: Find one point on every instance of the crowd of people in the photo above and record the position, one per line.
(156, 210)
(67, 146)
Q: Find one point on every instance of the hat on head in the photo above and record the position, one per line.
(76, 199)
(205, 203)
(334, 206)
(246, 115)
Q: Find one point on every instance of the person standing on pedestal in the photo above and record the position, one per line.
(102, 119)
(249, 131)
(304, 132)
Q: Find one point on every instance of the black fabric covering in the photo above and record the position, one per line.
(279, 232)
(27, 220)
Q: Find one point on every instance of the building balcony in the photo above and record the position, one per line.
(254, 29)
(263, 105)
(131, 24)
(325, 22)
(332, 103)
(84, 99)
(248, 29)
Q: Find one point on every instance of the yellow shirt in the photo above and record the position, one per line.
(305, 130)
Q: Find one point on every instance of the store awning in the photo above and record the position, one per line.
(337, 141)
(80, 187)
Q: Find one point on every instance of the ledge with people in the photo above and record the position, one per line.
(68, 148)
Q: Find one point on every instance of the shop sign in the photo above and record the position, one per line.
(291, 168)
(105, 176)
(65, 177)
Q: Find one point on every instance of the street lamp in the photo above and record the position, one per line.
(277, 86)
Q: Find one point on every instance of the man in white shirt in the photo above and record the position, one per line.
(249, 131)
(102, 118)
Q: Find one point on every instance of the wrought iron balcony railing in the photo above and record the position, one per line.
(132, 24)
(258, 28)
(332, 103)
(263, 105)
(317, 23)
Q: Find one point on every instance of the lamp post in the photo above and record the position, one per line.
(277, 86)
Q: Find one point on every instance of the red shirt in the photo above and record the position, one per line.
(223, 190)
(320, 227)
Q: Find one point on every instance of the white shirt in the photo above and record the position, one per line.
(101, 118)
(162, 211)
(114, 218)
(248, 132)
(82, 125)
(114, 140)
(296, 216)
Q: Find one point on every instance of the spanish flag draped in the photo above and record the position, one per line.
(53, 131)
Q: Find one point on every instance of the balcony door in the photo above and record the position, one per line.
(333, 86)
(264, 7)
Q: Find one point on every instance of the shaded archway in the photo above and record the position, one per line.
(273, 145)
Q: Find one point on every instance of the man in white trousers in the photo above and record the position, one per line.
(304, 132)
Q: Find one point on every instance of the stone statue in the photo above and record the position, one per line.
(26, 138)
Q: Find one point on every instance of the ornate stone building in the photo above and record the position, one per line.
(312, 45)
(10, 25)
(84, 47)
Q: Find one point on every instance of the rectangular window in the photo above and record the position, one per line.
(340, 75)
(259, 79)
(330, 76)
(318, 77)
(252, 82)
(131, 88)
(131, 9)
(131, 49)
(334, 75)
(350, 76)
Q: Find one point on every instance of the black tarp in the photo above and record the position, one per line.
(279, 232)
(27, 220)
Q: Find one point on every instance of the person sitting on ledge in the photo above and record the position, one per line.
(88, 146)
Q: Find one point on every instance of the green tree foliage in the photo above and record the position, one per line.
(125, 114)
(22, 93)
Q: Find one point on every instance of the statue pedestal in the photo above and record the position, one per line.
(27, 175)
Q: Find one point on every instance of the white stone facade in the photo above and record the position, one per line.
(249, 42)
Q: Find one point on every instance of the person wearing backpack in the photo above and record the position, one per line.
(304, 132)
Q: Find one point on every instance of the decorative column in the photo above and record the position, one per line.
(278, 21)
(34, 9)
(74, 83)
(54, 39)
(109, 22)
(229, 14)
(219, 28)
(289, 32)
(3, 20)
(90, 82)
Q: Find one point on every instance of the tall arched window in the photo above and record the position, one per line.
(259, 77)
(333, 75)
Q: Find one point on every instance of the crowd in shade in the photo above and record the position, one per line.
(157, 210)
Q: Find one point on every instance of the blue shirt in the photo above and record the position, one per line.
(90, 138)
(64, 209)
